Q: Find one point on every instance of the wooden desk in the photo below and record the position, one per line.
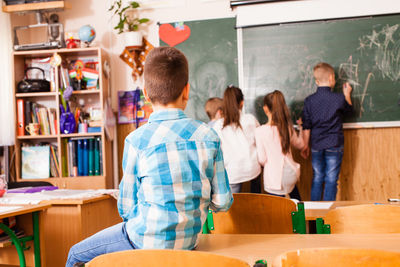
(69, 221)
(9, 255)
(254, 247)
(65, 223)
(313, 214)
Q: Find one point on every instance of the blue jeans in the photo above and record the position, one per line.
(112, 239)
(326, 168)
(235, 188)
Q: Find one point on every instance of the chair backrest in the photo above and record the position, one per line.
(255, 214)
(334, 257)
(364, 219)
(165, 258)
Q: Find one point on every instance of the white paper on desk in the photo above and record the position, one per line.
(35, 198)
(75, 194)
(9, 208)
(315, 205)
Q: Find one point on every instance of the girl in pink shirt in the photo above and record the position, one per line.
(273, 141)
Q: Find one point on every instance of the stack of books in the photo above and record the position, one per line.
(83, 157)
(30, 112)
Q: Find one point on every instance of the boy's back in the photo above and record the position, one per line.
(169, 165)
(323, 113)
(173, 171)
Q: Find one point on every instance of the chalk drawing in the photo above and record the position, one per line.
(386, 48)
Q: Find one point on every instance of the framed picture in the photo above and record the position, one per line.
(133, 107)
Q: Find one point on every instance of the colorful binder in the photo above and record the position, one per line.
(91, 156)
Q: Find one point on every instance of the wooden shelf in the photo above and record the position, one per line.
(36, 6)
(80, 135)
(85, 92)
(36, 94)
(28, 137)
(69, 51)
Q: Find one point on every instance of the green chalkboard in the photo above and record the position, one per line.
(211, 51)
(363, 51)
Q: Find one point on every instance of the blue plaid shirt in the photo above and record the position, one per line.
(173, 172)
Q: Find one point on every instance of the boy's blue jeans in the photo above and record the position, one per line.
(112, 239)
(326, 168)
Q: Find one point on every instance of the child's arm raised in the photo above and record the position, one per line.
(347, 92)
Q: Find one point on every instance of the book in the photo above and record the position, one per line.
(20, 117)
(64, 158)
(91, 156)
(74, 159)
(28, 117)
(100, 155)
(96, 157)
(85, 166)
(35, 163)
(80, 156)
(54, 157)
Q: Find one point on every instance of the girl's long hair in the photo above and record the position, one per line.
(233, 96)
(276, 104)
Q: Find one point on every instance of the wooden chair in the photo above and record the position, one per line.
(255, 214)
(165, 258)
(334, 257)
(364, 219)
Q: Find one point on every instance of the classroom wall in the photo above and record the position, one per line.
(371, 169)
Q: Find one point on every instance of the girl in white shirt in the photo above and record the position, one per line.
(274, 140)
(236, 131)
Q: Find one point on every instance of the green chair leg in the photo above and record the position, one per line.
(36, 240)
(209, 223)
(321, 227)
(299, 219)
(16, 242)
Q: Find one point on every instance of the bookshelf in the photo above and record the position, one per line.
(52, 5)
(62, 173)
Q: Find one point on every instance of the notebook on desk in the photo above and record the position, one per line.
(30, 189)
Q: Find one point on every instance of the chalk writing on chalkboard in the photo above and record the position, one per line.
(364, 52)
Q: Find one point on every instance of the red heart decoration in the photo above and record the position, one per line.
(173, 36)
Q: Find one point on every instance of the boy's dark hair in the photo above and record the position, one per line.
(322, 71)
(212, 106)
(166, 73)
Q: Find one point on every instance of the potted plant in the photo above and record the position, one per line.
(129, 21)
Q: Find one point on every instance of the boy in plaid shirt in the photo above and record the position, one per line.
(173, 171)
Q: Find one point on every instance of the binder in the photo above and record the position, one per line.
(27, 114)
(100, 155)
(80, 157)
(20, 117)
(74, 160)
(91, 156)
(96, 157)
(85, 166)
(64, 163)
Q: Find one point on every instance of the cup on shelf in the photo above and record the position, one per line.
(33, 128)
(83, 127)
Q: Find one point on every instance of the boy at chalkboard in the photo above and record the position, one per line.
(213, 108)
(323, 126)
(173, 171)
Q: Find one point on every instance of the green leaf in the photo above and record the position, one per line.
(143, 20)
(134, 4)
(135, 27)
